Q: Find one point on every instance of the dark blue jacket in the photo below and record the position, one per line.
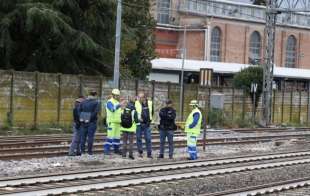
(90, 105)
(76, 118)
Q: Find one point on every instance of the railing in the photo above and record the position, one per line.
(241, 12)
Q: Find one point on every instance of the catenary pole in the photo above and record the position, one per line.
(274, 7)
(182, 72)
(271, 15)
(117, 43)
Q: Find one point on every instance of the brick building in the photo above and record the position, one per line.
(228, 32)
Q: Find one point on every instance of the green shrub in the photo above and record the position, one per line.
(247, 76)
(247, 122)
(216, 118)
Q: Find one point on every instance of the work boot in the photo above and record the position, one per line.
(161, 156)
(71, 154)
(118, 152)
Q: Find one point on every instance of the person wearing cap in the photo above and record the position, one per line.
(166, 127)
(74, 149)
(88, 114)
(193, 128)
(113, 111)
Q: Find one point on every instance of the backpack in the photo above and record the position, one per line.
(126, 118)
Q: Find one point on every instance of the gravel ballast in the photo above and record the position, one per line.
(205, 185)
(65, 163)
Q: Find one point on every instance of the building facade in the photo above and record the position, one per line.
(231, 32)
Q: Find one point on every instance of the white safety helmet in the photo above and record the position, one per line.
(194, 103)
(116, 92)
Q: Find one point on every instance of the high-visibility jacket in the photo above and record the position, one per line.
(138, 106)
(195, 130)
(113, 116)
(134, 125)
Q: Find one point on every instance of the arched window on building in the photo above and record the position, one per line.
(255, 48)
(163, 13)
(215, 52)
(291, 54)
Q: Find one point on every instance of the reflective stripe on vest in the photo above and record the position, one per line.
(113, 117)
(190, 119)
(138, 106)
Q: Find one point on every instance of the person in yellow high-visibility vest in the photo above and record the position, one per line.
(145, 110)
(113, 111)
(192, 129)
(128, 127)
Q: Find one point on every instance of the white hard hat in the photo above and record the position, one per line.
(116, 92)
(194, 102)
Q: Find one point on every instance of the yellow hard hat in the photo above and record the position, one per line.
(116, 92)
(193, 102)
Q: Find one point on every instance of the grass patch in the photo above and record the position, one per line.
(42, 129)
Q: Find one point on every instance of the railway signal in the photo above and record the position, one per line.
(254, 90)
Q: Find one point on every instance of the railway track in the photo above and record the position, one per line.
(54, 151)
(266, 189)
(93, 180)
(67, 137)
(30, 150)
(46, 140)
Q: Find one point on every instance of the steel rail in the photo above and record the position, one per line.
(148, 167)
(136, 178)
(98, 149)
(97, 145)
(265, 188)
(30, 143)
(275, 130)
(24, 152)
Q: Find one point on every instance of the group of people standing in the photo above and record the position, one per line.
(129, 118)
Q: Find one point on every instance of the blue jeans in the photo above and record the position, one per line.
(88, 131)
(76, 139)
(163, 134)
(146, 131)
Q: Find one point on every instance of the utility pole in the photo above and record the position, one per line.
(271, 17)
(182, 72)
(117, 43)
(274, 7)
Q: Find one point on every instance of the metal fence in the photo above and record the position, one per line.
(32, 99)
